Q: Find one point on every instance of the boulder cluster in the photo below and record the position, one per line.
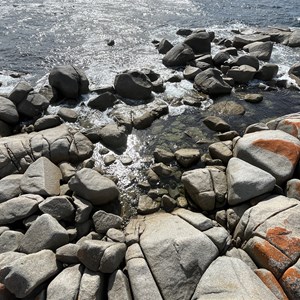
(221, 224)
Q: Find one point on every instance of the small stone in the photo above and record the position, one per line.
(67, 114)
(164, 46)
(67, 171)
(83, 209)
(110, 43)
(115, 235)
(221, 150)
(187, 157)
(168, 203)
(253, 98)
(10, 240)
(109, 159)
(126, 160)
(68, 254)
(216, 124)
(162, 170)
(161, 155)
(182, 202)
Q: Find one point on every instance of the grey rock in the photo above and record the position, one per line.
(118, 286)
(83, 209)
(231, 286)
(220, 237)
(229, 135)
(18, 208)
(199, 42)
(267, 72)
(67, 171)
(211, 82)
(234, 215)
(10, 241)
(176, 264)
(164, 46)
(59, 207)
(190, 72)
(228, 108)
(221, 150)
(260, 50)
(92, 286)
(42, 177)
(65, 285)
(7, 258)
(104, 221)
(274, 151)
(20, 92)
(112, 258)
(10, 187)
(256, 127)
(115, 235)
(90, 185)
(113, 136)
(253, 98)
(133, 230)
(241, 74)
(294, 72)
(179, 55)
(23, 275)
(246, 181)
(198, 220)
(293, 188)
(142, 282)
(44, 233)
(8, 111)
(133, 85)
(34, 105)
(109, 159)
(220, 58)
(68, 254)
(67, 114)
(247, 60)
(5, 129)
(46, 122)
(69, 81)
(239, 41)
(242, 255)
(187, 157)
(103, 101)
(216, 123)
(147, 205)
(294, 39)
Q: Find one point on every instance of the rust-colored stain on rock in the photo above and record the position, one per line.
(294, 126)
(290, 280)
(281, 239)
(280, 147)
(270, 258)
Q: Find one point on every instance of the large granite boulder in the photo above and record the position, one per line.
(177, 254)
(231, 278)
(58, 144)
(274, 151)
(294, 39)
(133, 85)
(294, 73)
(20, 92)
(246, 181)
(239, 41)
(179, 55)
(270, 233)
(211, 82)
(69, 81)
(23, 275)
(92, 186)
(8, 111)
(42, 178)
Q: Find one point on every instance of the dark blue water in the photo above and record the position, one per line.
(37, 34)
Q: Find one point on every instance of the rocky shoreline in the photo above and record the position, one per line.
(206, 224)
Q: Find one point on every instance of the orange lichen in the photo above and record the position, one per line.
(270, 281)
(284, 148)
(294, 126)
(269, 257)
(290, 281)
(281, 239)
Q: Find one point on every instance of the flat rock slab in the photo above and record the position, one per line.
(23, 275)
(271, 150)
(231, 278)
(177, 253)
(58, 144)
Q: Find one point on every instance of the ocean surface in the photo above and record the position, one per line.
(35, 35)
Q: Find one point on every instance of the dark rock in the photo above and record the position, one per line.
(184, 31)
(260, 50)
(211, 82)
(164, 46)
(161, 155)
(179, 55)
(220, 58)
(70, 81)
(191, 72)
(46, 122)
(267, 72)
(103, 101)
(239, 41)
(199, 42)
(133, 85)
(20, 92)
(246, 60)
(5, 129)
(216, 124)
(8, 111)
(110, 43)
(187, 157)
(34, 105)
